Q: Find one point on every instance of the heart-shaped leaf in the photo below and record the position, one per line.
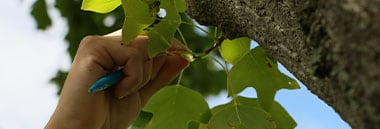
(233, 50)
(174, 107)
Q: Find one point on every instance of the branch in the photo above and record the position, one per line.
(216, 45)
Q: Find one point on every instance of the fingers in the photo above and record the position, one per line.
(157, 64)
(141, 74)
(165, 69)
(147, 72)
(137, 65)
(134, 74)
(120, 53)
(129, 106)
(139, 69)
(170, 69)
(108, 53)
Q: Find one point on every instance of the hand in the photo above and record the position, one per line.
(117, 107)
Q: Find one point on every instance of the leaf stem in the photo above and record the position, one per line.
(182, 37)
(215, 31)
(179, 78)
(236, 109)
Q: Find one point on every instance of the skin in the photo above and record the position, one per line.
(115, 108)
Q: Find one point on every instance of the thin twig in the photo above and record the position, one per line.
(216, 45)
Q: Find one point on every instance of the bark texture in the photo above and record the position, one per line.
(332, 46)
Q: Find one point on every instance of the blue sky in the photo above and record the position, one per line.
(29, 58)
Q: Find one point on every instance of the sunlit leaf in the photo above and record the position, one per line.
(240, 116)
(233, 50)
(174, 107)
(280, 116)
(39, 13)
(256, 69)
(161, 34)
(203, 126)
(100, 6)
(137, 18)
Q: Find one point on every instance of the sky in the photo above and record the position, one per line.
(29, 58)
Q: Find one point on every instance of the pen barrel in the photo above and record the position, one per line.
(107, 81)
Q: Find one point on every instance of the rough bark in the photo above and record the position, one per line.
(332, 46)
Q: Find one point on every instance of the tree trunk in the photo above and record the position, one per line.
(332, 46)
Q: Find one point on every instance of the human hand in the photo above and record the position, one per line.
(117, 107)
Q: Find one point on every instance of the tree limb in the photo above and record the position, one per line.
(331, 46)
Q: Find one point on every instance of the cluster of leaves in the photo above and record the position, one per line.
(178, 107)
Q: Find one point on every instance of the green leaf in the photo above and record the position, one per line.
(279, 115)
(256, 69)
(203, 126)
(197, 125)
(161, 35)
(233, 50)
(174, 107)
(137, 18)
(193, 125)
(142, 120)
(181, 5)
(239, 116)
(39, 13)
(100, 6)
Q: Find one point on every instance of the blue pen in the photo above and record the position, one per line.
(107, 81)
